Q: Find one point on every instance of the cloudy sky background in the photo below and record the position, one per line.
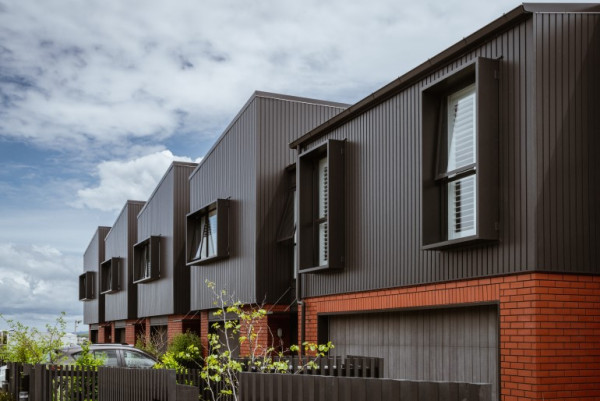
(98, 97)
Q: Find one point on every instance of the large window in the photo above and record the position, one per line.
(146, 260)
(322, 208)
(460, 157)
(287, 233)
(110, 276)
(207, 236)
(86, 286)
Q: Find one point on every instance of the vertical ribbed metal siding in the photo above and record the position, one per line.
(568, 144)
(119, 244)
(229, 172)
(181, 207)
(456, 345)
(280, 122)
(156, 297)
(93, 311)
(383, 185)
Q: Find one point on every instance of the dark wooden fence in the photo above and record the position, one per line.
(352, 366)
(76, 383)
(277, 387)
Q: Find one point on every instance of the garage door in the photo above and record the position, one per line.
(458, 344)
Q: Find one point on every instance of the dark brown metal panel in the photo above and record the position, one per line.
(119, 244)
(229, 171)
(281, 120)
(93, 310)
(567, 142)
(181, 204)
(383, 182)
(164, 216)
(157, 297)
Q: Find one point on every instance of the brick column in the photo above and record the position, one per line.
(204, 326)
(130, 332)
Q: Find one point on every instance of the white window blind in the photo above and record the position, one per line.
(462, 212)
(147, 262)
(323, 197)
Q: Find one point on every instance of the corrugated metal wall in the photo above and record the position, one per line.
(229, 172)
(164, 216)
(119, 244)
(280, 122)
(93, 311)
(568, 141)
(248, 166)
(383, 238)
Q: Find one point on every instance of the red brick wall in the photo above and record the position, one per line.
(106, 333)
(130, 332)
(204, 326)
(549, 327)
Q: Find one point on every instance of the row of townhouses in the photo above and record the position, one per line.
(449, 222)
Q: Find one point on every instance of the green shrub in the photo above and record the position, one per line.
(5, 396)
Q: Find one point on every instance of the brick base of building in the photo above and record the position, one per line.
(549, 327)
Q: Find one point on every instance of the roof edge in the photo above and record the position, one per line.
(391, 89)
(265, 95)
(173, 164)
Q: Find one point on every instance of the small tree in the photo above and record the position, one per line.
(245, 329)
(29, 345)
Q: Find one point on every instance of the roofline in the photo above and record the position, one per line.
(266, 95)
(414, 75)
(92, 239)
(127, 203)
(171, 166)
(519, 13)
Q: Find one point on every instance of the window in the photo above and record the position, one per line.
(322, 208)
(87, 286)
(109, 357)
(110, 276)
(134, 359)
(146, 260)
(460, 157)
(207, 233)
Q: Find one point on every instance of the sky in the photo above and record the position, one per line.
(97, 98)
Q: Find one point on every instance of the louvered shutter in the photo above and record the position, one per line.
(211, 233)
(462, 211)
(323, 178)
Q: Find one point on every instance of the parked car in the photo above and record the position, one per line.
(116, 355)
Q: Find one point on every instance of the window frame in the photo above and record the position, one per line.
(87, 286)
(113, 285)
(483, 74)
(151, 243)
(221, 208)
(309, 220)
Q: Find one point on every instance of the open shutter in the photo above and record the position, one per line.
(323, 197)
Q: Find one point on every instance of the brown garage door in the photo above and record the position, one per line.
(459, 344)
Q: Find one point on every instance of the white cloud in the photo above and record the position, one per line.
(122, 180)
(109, 72)
(37, 280)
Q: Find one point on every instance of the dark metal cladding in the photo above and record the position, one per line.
(93, 310)
(119, 243)
(549, 178)
(164, 216)
(247, 165)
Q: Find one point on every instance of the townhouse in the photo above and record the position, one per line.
(448, 222)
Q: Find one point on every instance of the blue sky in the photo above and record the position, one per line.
(98, 97)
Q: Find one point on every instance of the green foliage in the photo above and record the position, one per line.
(184, 352)
(86, 358)
(5, 396)
(29, 345)
(220, 369)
